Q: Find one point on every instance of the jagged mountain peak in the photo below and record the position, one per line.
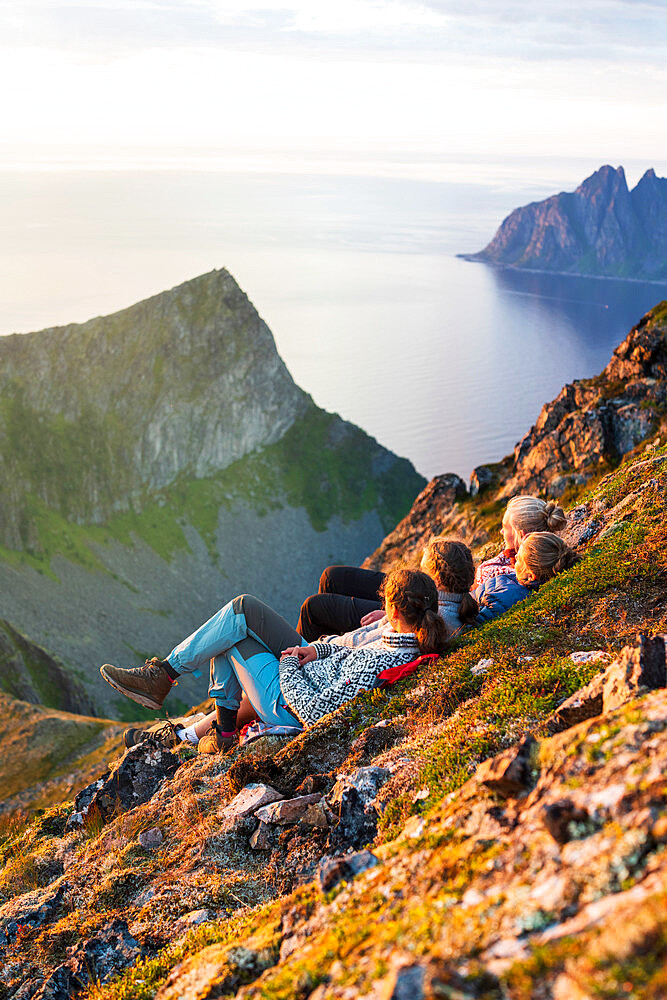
(601, 228)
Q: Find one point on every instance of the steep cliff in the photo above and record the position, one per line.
(157, 462)
(602, 228)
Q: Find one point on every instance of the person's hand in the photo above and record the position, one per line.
(304, 653)
(372, 616)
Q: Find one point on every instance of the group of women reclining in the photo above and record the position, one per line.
(360, 624)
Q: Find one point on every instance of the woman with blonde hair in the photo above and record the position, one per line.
(541, 555)
(523, 515)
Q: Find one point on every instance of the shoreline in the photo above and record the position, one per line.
(474, 259)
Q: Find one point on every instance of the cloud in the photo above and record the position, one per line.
(517, 29)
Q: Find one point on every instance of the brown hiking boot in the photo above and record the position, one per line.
(214, 742)
(164, 732)
(148, 685)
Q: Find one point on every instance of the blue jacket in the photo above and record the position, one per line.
(498, 594)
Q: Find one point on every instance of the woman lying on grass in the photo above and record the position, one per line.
(540, 556)
(252, 649)
(523, 515)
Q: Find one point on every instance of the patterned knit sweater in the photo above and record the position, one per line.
(340, 673)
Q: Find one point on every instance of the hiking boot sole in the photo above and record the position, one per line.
(141, 699)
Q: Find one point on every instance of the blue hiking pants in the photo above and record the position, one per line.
(242, 642)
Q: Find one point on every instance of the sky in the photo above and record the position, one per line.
(423, 89)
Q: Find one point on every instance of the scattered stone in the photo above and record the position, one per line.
(639, 668)
(261, 839)
(138, 776)
(589, 655)
(481, 668)
(566, 821)
(250, 799)
(288, 810)
(510, 773)
(335, 870)
(151, 839)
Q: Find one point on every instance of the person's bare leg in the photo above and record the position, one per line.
(203, 726)
(246, 713)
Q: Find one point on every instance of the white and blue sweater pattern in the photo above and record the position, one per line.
(340, 673)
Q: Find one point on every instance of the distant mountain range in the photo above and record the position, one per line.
(601, 229)
(157, 462)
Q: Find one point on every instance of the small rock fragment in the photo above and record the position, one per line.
(288, 810)
(481, 668)
(151, 839)
(336, 870)
(261, 838)
(249, 800)
(639, 668)
(565, 821)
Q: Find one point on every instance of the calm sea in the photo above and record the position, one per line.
(443, 361)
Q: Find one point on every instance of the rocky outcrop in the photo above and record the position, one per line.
(594, 422)
(429, 515)
(602, 228)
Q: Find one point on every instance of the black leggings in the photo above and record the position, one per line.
(345, 595)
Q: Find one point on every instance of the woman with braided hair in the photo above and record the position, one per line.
(252, 650)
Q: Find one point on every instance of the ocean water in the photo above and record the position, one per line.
(444, 361)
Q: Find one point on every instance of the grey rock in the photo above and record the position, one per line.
(136, 779)
(352, 802)
(33, 909)
(335, 870)
(566, 821)
(151, 839)
(481, 478)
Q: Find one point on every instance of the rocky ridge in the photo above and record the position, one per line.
(492, 827)
(602, 228)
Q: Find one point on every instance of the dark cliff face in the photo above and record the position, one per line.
(602, 228)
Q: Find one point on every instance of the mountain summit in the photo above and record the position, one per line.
(601, 229)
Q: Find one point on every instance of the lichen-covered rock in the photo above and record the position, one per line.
(288, 810)
(33, 909)
(352, 801)
(138, 776)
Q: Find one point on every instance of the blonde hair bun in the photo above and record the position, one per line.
(529, 514)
